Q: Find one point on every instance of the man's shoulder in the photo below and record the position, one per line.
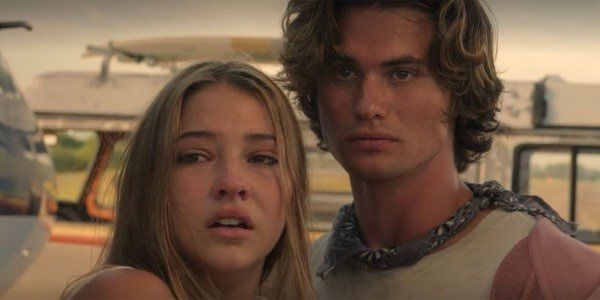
(562, 266)
(553, 253)
(321, 241)
(317, 250)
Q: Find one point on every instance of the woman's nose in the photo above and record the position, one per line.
(230, 184)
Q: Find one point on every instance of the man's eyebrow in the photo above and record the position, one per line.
(343, 59)
(197, 134)
(403, 60)
(260, 137)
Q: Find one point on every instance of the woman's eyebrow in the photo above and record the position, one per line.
(213, 135)
(260, 137)
(197, 134)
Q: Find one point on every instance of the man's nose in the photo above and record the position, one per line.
(369, 100)
(230, 183)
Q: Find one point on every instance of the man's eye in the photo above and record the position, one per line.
(402, 74)
(191, 158)
(344, 73)
(263, 160)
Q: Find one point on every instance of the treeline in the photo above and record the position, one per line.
(72, 153)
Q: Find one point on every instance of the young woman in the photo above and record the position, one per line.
(212, 195)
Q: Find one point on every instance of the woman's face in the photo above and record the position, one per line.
(225, 188)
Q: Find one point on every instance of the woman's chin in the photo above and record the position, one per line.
(234, 262)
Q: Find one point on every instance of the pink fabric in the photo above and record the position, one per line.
(548, 264)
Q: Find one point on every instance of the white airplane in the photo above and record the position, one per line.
(26, 179)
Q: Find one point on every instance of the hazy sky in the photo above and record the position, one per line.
(536, 38)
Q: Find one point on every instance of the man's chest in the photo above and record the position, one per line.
(464, 270)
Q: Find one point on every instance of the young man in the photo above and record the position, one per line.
(404, 95)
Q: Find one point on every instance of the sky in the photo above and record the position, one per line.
(535, 37)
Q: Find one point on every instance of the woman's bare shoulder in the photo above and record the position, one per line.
(119, 282)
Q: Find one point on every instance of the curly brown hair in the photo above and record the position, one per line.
(461, 56)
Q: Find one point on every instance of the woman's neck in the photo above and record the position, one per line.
(238, 284)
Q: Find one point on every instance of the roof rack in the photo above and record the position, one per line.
(168, 52)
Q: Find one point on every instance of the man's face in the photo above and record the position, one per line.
(381, 109)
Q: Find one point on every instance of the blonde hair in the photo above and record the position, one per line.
(144, 238)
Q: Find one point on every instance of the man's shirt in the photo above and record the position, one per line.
(464, 270)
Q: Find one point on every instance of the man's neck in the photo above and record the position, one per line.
(393, 212)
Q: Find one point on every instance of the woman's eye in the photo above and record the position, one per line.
(192, 158)
(263, 160)
(402, 74)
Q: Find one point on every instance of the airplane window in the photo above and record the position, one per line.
(10, 140)
(547, 174)
(6, 82)
(73, 155)
(40, 147)
(108, 182)
(588, 190)
(4, 136)
(25, 142)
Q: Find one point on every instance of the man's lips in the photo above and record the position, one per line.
(370, 140)
(367, 136)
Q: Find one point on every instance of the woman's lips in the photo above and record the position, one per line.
(224, 215)
(230, 223)
(231, 232)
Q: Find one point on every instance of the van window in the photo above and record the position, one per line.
(73, 154)
(325, 173)
(109, 178)
(547, 175)
(587, 211)
(567, 178)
